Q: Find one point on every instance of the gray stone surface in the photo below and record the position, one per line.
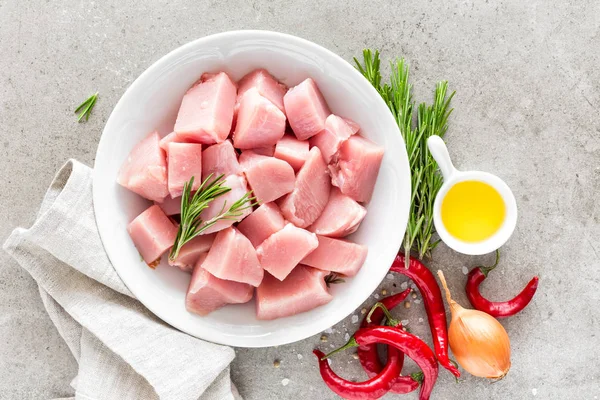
(527, 108)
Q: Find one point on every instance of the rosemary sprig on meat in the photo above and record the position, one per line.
(192, 206)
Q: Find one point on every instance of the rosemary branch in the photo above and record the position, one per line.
(431, 120)
(192, 224)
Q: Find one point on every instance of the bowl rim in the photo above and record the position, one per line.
(245, 341)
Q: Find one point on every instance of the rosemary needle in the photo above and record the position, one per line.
(192, 206)
(431, 120)
(86, 107)
(333, 279)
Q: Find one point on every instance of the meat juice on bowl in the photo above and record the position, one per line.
(310, 182)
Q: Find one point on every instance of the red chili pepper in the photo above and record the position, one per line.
(432, 298)
(368, 356)
(374, 388)
(409, 344)
(497, 309)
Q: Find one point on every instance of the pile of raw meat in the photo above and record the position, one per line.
(308, 168)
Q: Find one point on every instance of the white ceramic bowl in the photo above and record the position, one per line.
(152, 102)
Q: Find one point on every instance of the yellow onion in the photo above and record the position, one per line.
(479, 342)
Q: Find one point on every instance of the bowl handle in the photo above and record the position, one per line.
(439, 151)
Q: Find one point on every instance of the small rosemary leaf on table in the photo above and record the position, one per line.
(333, 279)
(86, 107)
(192, 206)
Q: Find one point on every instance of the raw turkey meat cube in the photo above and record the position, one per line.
(170, 206)
(336, 132)
(153, 233)
(355, 167)
(306, 109)
(185, 162)
(206, 111)
(249, 158)
(283, 250)
(238, 187)
(259, 122)
(308, 199)
(262, 223)
(341, 217)
(145, 169)
(220, 159)
(207, 293)
(191, 252)
(233, 257)
(353, 125)
(170, 138)
(266, 85)
(268, 177)
(337, 255)
(302, 290)
(292, 150)
(189, 268)
(265, 151)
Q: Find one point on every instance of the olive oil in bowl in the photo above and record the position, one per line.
(472, 211)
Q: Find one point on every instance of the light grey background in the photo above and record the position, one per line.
(527, 76)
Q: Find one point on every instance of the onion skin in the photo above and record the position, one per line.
(479, 343)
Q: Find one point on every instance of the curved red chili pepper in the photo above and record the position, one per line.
(368, 356)
(497, 309)
(372, 389)
(410, 345)
(432, 298)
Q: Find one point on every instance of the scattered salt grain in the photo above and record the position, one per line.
(405, 322)
(389, 276)
(285, 381)
(347, 336)
(299, 356)
(417, 301)
(534, 391)
(465, 270)
(354, 319)
(376, 296)
(332, 346)
(328, 330)
(403, 285)
(420, 320)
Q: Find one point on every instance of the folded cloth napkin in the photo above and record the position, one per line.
(123, 351)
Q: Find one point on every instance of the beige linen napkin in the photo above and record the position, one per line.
(123, 351)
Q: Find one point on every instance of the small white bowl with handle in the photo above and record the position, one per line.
(452, 176)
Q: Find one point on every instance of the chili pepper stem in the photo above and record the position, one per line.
(351, 343)
(391, 320)
(486, 270)
(417, 376)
